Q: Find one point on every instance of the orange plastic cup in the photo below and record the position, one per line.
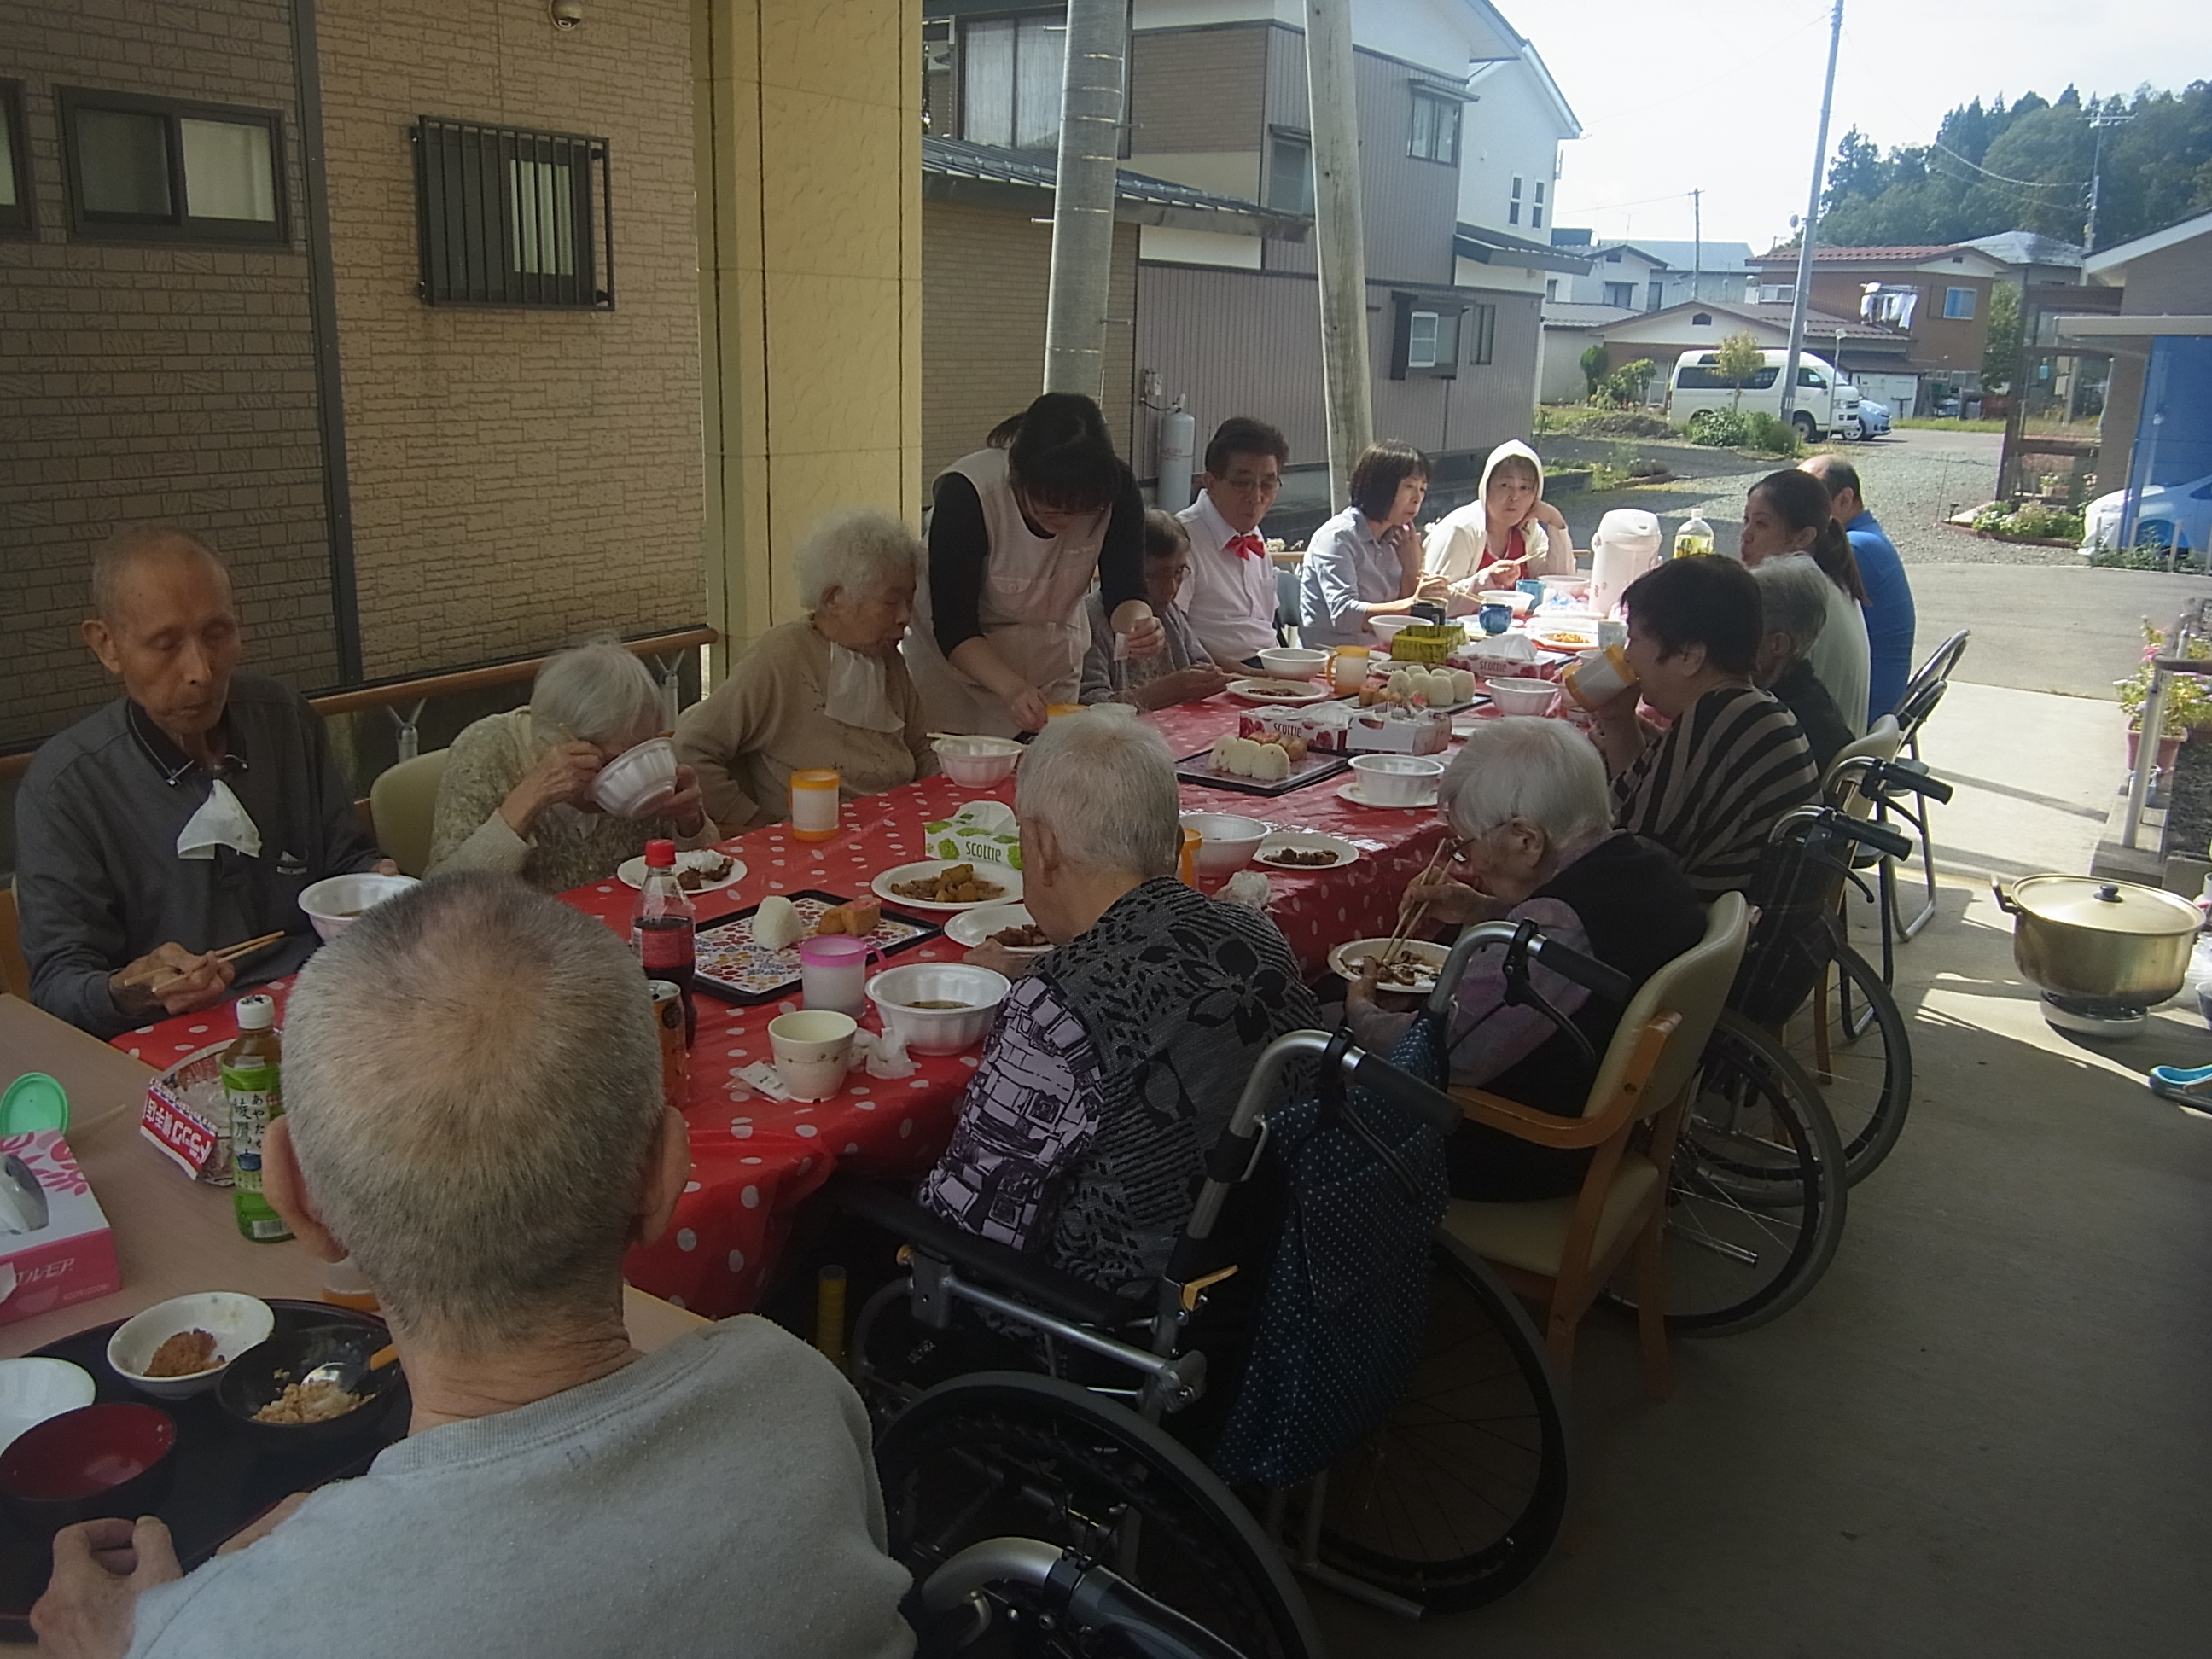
(1191, 839)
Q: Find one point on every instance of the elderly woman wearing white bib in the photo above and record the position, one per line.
(1016, 539)
(827, 690)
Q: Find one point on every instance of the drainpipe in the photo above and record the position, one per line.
(1332, 101)
(1083, 198)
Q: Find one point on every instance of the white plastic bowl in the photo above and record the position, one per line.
(978, 760)
(636, 778)
(938, 1030)
(237, 1323)
(1291, 663)
(1521, 602)
(1227, 842)
(33, 1390)
(333, 903)
(1396, 779)
(1386, 627)
(1520, 696)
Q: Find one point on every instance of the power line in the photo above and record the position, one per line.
(2024, 183)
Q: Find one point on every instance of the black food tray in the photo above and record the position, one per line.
(225, 1474)
(1318, 764)
(917, 930)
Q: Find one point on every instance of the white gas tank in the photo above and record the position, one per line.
(1627, 544)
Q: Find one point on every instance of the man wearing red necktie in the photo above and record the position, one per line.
(1231, 597)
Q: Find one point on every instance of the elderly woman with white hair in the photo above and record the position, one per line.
(1528, 802)
(516, 796)
(1118, 1060)
(1793, 592)
(828, 691)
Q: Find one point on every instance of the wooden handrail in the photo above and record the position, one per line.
(386, 692)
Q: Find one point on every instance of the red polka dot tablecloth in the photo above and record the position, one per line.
(754, 1160)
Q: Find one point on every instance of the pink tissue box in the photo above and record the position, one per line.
(69, 1256)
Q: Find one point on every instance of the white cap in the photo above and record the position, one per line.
(256, 1012)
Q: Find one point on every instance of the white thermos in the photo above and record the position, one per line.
(1625, 545)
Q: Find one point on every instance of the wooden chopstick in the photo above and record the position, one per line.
(1410, 917)
(228, 953)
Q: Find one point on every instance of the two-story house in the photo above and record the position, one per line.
(1937, 296)
(1459, 127)
(1651, 275)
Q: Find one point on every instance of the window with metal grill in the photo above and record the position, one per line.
(507, 217)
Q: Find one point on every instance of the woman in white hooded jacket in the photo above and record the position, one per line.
(1506, 533)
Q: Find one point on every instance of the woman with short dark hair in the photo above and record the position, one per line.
(1365, 561)
(1016, 536)
(1717, 779)
(1789, 511)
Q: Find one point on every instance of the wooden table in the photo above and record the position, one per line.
(173, 1235)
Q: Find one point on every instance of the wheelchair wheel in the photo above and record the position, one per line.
(1850, 1039)
(998, 1453)
(1755, 1196)
(1460, 1495)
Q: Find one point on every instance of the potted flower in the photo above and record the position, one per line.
(2188, 699)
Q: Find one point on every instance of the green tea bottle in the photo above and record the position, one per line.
(252, 1072)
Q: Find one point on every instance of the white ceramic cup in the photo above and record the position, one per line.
(813, 1051)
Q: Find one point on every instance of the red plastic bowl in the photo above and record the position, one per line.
(95, 1461)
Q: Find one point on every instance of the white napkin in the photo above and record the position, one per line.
(887, 1056)
(1248, 888)
(855, 695)
(222, 821)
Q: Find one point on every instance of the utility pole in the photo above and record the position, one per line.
(1802, 297)
(1697, 244)
(2098, 123)
(1083, 197)
(1341, 239)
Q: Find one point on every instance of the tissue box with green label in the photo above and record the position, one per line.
(981, 832)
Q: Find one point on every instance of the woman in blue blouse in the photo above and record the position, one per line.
(1366, 560)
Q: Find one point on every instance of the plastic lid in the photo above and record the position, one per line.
(256, 1013)
(660, 856)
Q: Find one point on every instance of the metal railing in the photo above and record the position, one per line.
(2194, 622)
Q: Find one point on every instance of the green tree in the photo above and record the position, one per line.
(1740, 357)
(1593, 363)
(2001, 351)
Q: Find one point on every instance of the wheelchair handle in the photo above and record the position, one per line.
(1593, 975)
(1093, 1598)
(1819, 824)
(1891, 778)
(1264, 1088)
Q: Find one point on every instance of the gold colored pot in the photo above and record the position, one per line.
(2113, 940)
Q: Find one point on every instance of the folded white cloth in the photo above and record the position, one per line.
(222, 821)
(855, 695)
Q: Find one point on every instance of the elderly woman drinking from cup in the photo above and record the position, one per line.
(829, 691)
(523, 793)
(1526, 800)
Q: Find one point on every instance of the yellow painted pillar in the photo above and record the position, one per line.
(809, 118)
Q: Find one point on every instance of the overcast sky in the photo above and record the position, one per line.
(1724, 96)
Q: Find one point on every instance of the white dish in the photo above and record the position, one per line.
(1009, 882)
(332, 903)
(1352, 792)
(1430, 956)
(1385, 629)
(1293, 662)
(637, 777)
(632, 871)
(1283, 694)
(1226, 842)
(977, 762)
(237, 1323)
(1521, 695)
(979, 992)
(33, 1390)
(972, 928)
(1521, 604)
(1305, 841)
(1396, 779)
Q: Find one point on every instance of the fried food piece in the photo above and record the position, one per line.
(1405, 971)
(1297, 859)
(186, 1354)
(856, 917)
(1027, 937)
(314, 1402)
(954, 884)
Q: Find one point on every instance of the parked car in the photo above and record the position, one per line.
(2177, 515)
(1825, 399)
(1873, 418)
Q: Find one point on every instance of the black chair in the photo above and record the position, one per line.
(1918, 701)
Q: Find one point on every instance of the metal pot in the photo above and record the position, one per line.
(2112, 940)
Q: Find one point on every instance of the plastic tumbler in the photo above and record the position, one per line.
(834, 973)
(814, 804)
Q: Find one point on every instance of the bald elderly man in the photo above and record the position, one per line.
(185, 817)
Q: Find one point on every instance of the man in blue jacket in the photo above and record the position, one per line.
(1889, 618)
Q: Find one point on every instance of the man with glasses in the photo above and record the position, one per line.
(1231, 598)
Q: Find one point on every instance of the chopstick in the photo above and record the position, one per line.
(228, 953)
(1411, 917)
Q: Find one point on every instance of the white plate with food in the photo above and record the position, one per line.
(1413, 967)
(1010, 926)
(1357, 797)
(1281, 693)
(940, 884)
(1300, 850)
(701, 870)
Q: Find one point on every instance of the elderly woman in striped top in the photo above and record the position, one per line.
(1731, 761)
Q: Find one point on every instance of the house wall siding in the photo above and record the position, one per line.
(1198, 90)
(1939, 343)
(154, 380)
(519, 478)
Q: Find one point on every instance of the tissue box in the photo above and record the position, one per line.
(70, 1256)
(187, 1118)
(1383, 731)
(981, 832)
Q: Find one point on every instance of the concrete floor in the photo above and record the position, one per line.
(1985, 1432)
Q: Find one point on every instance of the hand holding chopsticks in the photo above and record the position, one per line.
(155, 972)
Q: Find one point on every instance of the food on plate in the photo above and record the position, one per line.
(701, 869)
(308, 1402)
(777, 925)
(1299, 688)
(186, 1354)
(1565, 638)
(938, 1002)
(956, 883)
(1420, 687)
(1248, 757)
(859, 917)
(1027, 937)
(1319, 857)
(1405, 971)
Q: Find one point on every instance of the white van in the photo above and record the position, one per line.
(1827, 403)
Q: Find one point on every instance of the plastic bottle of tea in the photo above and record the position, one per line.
(252, 1083)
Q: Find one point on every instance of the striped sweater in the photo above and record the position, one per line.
(1716, 784)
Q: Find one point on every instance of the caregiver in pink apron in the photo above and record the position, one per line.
(1015, 539)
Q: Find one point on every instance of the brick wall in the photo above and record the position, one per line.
(985, 273)
(152, 380)
(518, 476)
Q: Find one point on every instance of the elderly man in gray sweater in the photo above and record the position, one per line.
(186, 816)
(474, 1113)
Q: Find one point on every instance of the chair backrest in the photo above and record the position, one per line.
(14, 972)
(402, 802)
(1917, 704)
(1840, 788)
(1694, 985)
(1937, 668)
